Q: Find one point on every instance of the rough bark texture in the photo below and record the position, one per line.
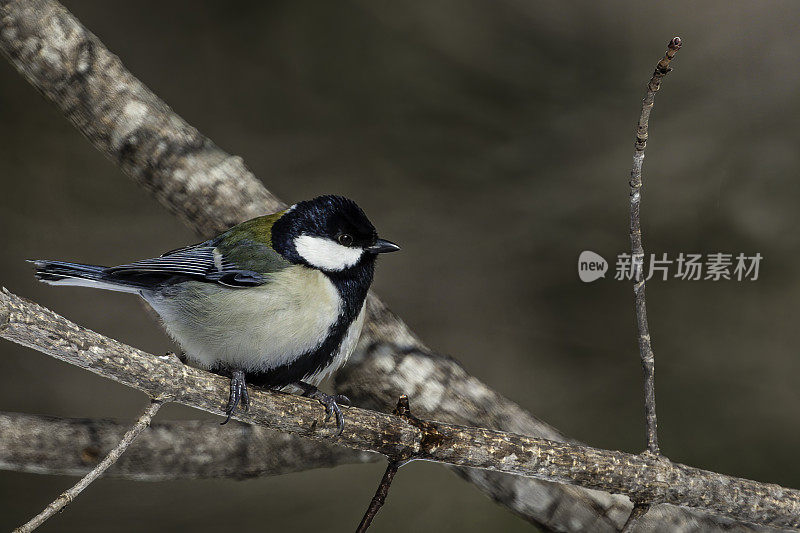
(440, 388)
(189, 449)
(211, 190)
(641, 477)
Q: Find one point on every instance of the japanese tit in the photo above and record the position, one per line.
(277, 300)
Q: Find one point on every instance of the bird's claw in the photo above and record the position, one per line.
(238, 394)
(342, 399)
(332, 408)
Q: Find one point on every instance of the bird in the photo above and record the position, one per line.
(277, 301)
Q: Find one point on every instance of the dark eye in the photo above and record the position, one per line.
(345, 239)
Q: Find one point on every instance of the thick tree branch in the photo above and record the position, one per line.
(189, 449)
(640, 477)
(211, 190)
(447, 392)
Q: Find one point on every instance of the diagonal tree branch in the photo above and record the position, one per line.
(640, 477)
(190, 449)
(211, 190)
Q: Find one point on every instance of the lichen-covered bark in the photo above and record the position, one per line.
(188, 449)
(211, 190)
(641, 477)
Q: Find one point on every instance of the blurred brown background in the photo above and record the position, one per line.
(493, 141)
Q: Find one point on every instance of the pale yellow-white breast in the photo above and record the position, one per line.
(257, 328)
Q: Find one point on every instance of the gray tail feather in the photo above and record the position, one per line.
(63, 273)
(54, 271)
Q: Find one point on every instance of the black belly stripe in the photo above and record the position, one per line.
(352, 285)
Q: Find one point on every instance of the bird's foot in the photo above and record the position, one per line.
(331, 404)
(238, 394)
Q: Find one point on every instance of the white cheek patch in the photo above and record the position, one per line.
(326, 254)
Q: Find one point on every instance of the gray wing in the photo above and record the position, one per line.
(203, 262)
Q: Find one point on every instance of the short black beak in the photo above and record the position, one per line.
(381, 247)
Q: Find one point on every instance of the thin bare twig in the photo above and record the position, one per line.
(380, 496)
(67, 496)
(403, 409)
(637, 250)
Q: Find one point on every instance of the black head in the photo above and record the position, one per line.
(329, 233)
